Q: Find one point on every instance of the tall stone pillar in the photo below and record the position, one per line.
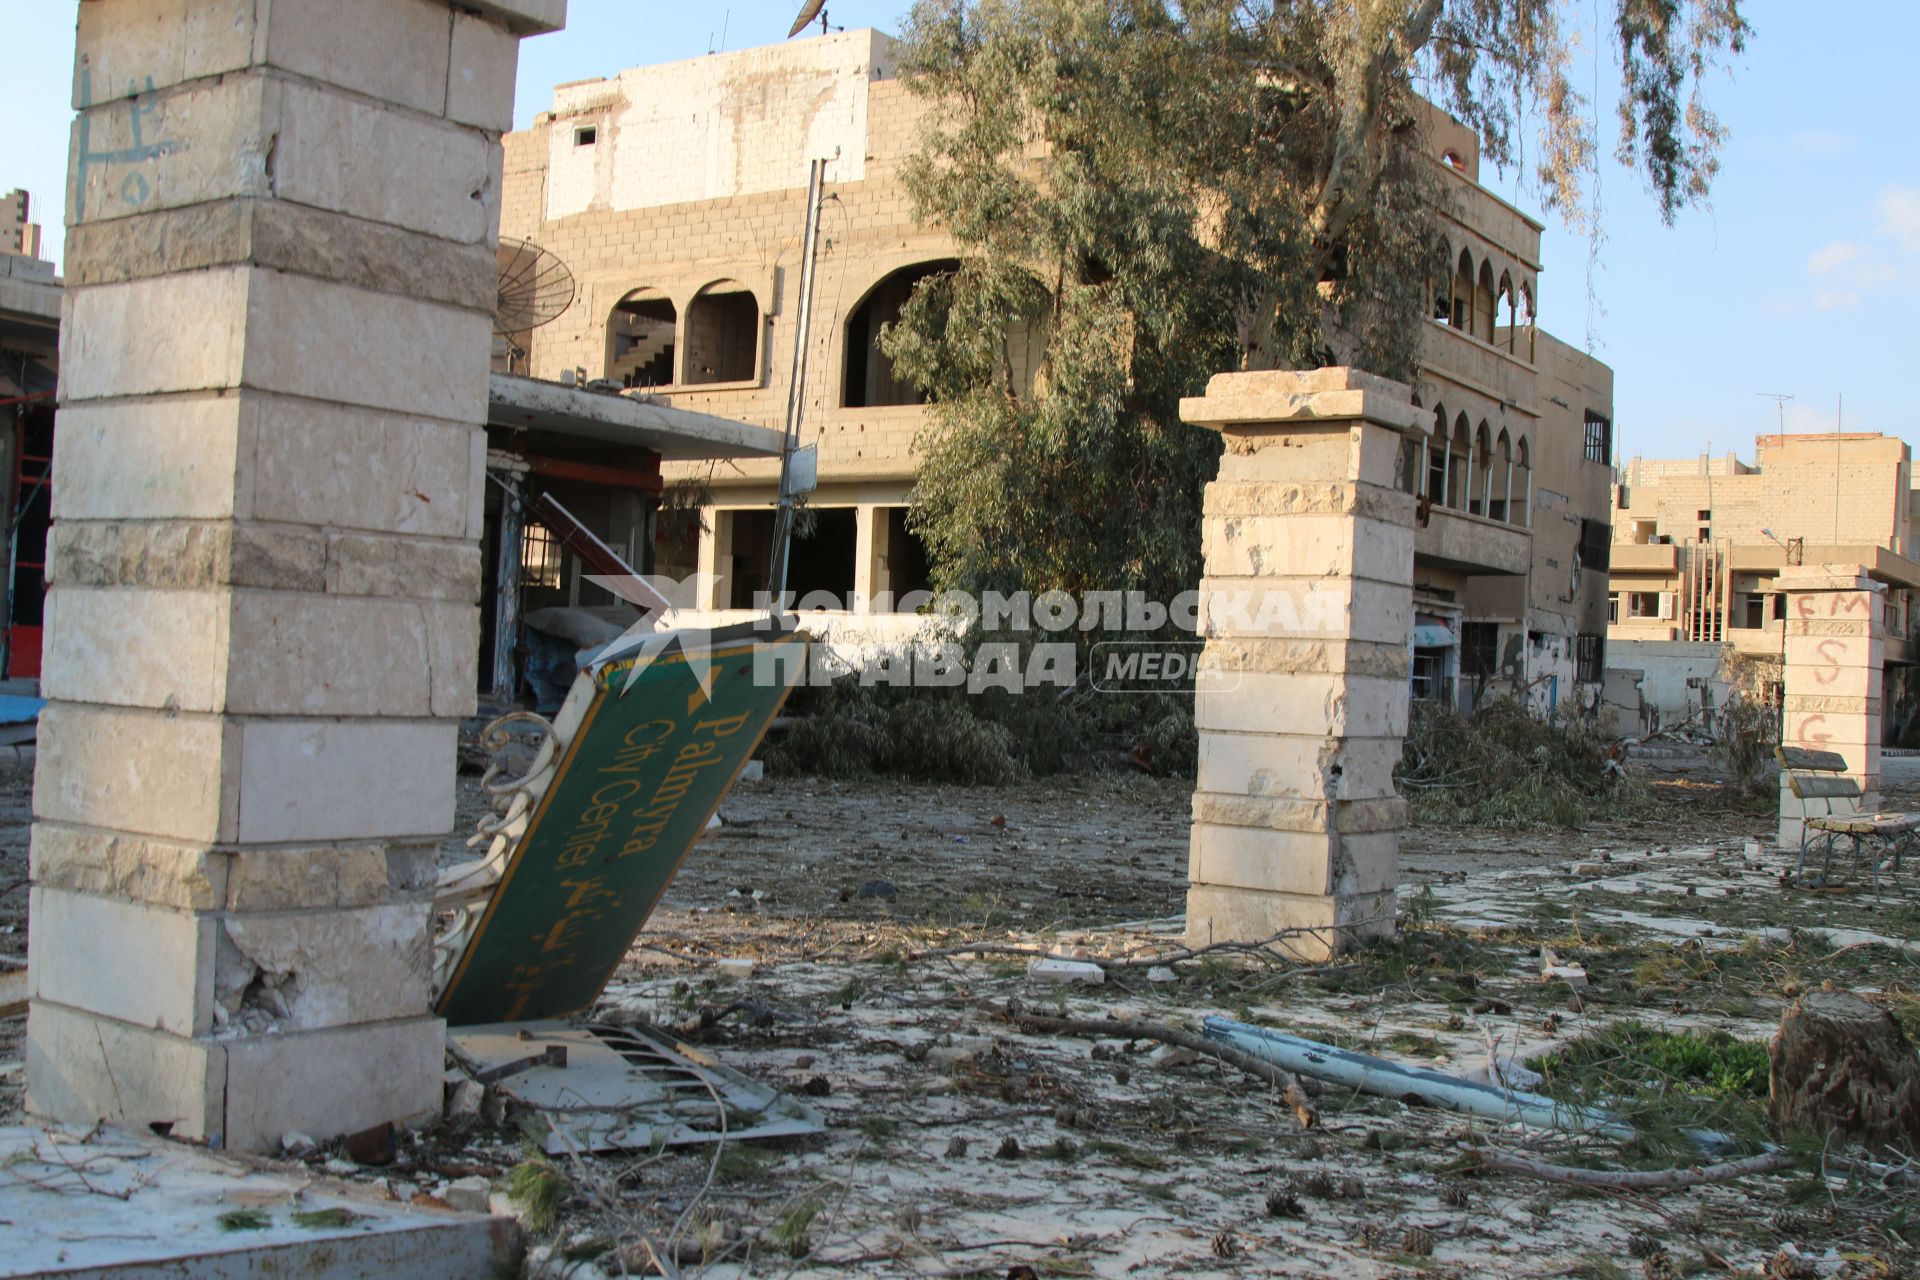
(262, 630)
(1308, 622)
(1835, 652)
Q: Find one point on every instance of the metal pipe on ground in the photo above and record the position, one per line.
(1386, 1079)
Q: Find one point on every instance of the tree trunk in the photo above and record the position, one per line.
(1842, 1067)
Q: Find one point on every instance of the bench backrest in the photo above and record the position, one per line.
(1807, 759)
(1818, 779)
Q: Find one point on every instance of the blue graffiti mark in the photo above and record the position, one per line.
(136, 189)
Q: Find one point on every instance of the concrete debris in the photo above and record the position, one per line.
(734, 967)
(465, 1099)
(1160, 973)
(1571, 974)
(1048, 969)
(109, 1203)
(469, 1195)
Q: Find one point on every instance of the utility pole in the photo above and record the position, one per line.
(796, 386)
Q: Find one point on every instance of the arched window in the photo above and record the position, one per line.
(1463, 293)
(1504, 306)
(868, 380)
(640, 339)
(1525, 321)
(1523, 486)
(1499, 501)
(1482, 471)
(1437, 458)
(1459, 458)
(1440, 281)
(1483, 299)
(723, 335)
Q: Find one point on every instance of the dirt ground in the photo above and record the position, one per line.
(961, 1141)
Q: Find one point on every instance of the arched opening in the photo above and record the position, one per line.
(1523, 486)
(723, 335)
(641, 336)
(1504, 308)
(1436, 445)
(1462, 317)
(1499, 502)
(1439, 282)
(1459, 458)
(1524, 322)
(1482, 470)
(1484, 304)
(868, 380)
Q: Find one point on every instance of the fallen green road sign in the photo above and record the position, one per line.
(660, 742)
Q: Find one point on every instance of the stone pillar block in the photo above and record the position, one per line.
(1835, 651)
(1307, 601)
(269, 486)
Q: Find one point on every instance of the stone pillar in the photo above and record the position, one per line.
(262, 631)
(1308, 621)
(1835, 652)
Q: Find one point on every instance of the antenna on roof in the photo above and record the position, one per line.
(808, 12)
(1780, 402)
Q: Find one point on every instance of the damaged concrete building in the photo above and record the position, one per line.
(1700, 547)
(689, 277)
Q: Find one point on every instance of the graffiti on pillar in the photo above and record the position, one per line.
(1807, 604)
(136, 187)
(1832, 652)
(1812, 732)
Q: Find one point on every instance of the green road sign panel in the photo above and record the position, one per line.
(631, 797)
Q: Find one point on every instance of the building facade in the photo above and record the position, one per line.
(1699, 542)
(689, 278)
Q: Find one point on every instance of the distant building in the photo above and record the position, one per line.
(1700, 540)
(18, 233)
(676, 194)
(29, 359)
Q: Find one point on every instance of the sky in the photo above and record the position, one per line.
(1791, 282)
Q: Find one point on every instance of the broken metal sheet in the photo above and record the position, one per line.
(633, 766)
(609, 1088)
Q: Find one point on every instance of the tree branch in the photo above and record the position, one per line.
(1635, 1179)
(1290, 1088)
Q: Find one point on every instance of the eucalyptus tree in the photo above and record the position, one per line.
(1144, 193)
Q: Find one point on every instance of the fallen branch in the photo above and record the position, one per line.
(1263, 948)
(1291, 1090)
(1636, 1179)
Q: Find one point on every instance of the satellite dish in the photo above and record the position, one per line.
(808, 13)
(535, 287)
